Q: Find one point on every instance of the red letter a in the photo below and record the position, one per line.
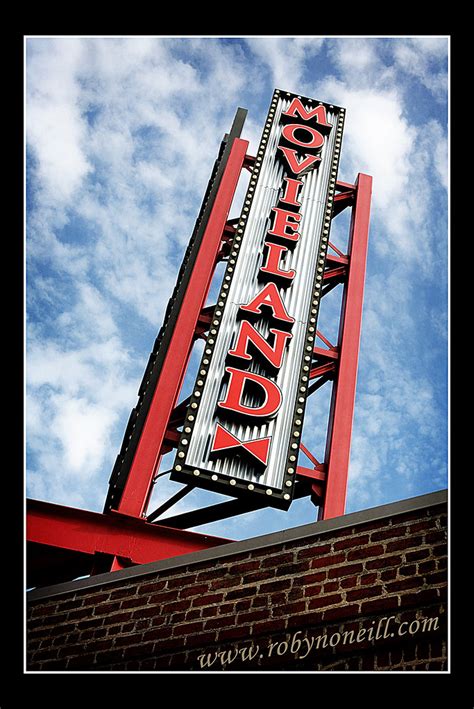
(269, 296)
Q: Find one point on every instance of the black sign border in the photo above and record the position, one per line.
(226, 484)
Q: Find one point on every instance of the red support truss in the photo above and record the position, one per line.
(64, 540)
(343, 394)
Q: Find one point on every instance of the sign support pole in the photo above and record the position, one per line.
(343, 394)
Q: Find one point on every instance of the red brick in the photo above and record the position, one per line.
(200, 640)
(313, 551)
(117, 619)
(260, 601)
(193, 590)
(436, 536)
(161, 597)
(232, 633)
(260, 575)
(421, 525)
(310, 591)
(379, 604)
(388, 574)
(332, 586)
(161, 633)
(278, 599)
(426, 566)
(253, 615)
(148, 588)
(291, 609)
(295, 593)
(307, 579)
(277, 560)
(409, 570)
(346, 570)
(359, 593)
(221, 621)
(324, 601)
(329, 560)
(207, 600)
(179, 582)
(139, 650)
(79, 614)
(403, 584)
(83, 661)
(121, 594)
(210, 574)
(365, 552)
(390, 533)
(273, 586)
(190, 615)
(95, 598)
(418, 555)
(173, 606)
(44, 611)
(384, 562)
(404, 543)
(177, 618)
(92, 623)
(294, 569)
(351, 542)
(188, 628)
(243, 605)
(422, 597)
(367, 579)
(349, 582)
(438, 577)
(145, 613)
(240, 593)
(269, 626)
(69, 604)
(132, 603)
(49, 654)
(222, 583)
(249, 565)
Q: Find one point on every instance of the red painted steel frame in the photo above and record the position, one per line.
(139, 482)
(113, 534)
(343, 395)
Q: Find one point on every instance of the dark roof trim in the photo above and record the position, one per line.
(288, 535)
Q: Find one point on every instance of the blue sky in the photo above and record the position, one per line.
(121, 136)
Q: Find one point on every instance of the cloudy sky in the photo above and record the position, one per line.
(121, 137)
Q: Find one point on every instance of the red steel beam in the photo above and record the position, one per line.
(343, 395)
(114, 534)
(137, 489)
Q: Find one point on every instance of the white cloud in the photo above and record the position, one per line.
(418, 57)
(123, 135)
(286, 57)
(53, 119)
(358, 62)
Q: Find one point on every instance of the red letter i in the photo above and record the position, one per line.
(291, 191)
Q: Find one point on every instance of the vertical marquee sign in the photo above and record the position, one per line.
(243, 425)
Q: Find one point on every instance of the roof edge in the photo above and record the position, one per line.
(352, 519)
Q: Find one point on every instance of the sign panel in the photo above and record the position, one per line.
(243, 426)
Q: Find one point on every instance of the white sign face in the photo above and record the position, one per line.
(243, 426)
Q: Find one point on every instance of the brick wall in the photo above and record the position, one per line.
(366, 591)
